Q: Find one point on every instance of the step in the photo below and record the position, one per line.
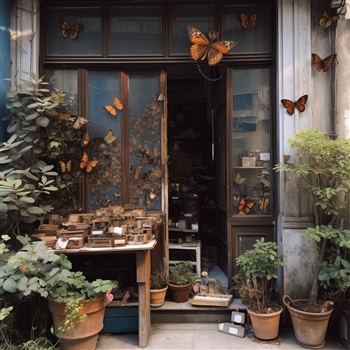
(172, 312)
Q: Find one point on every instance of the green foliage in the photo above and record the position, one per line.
(182, 273)
(159, 278)
(260, 266)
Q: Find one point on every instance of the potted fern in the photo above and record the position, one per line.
(321, 171)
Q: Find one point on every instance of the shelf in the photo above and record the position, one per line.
(174, 229)
(249, 167)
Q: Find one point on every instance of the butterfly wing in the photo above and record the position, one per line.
(91, 164)
(252, 20)
(244, 20)
(86, 139)
(63, 166)
(301, 102)
(110, 138)
(241, 204)
(118, 104)
(65, 28)
(196, 36)
(217, 49)
(327, 62)
(69, 166)
(289, 105)
(214, 56)
(317, 60)
(75, 30)
(111, 110)
(84, 161)
(248, 207)
(80, 122)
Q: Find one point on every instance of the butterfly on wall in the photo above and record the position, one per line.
(117, 105)
(66, 167)
(245, 207)
(110, 138)
(211, 49)
(248, 21)
(68, 30)
(323, 64)
(326, 20)
(299, 104)
(86, 163)
(80, 122)
(86, 139)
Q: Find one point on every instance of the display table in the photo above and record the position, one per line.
(143, 266)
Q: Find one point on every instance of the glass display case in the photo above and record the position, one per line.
(251, 142)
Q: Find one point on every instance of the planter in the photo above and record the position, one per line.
(84, 334)
(266, 326)
(179, 292)
(158, 296)
(309, 327)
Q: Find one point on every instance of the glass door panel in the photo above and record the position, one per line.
(251, 141)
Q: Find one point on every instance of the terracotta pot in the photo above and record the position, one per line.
(309, 327)
(266, 326)
(179, 292)
(158, 296)
(84, 334)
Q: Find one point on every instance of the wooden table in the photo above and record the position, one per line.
(143, 267)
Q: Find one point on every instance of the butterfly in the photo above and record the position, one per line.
(86, 139)
(137, 173)
(244, 207)
(85, 163)
(65, 166)
(212, 49)
(239, 180)
(299, 104)
(263, 203)
(68, 30)
(326, 21)
(248, 21)
(80, 122)
(325, 63)
(110, 138)
(113, 109)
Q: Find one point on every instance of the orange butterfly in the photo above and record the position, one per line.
(212, 49)
(299, 104)
(66, 166)
(244, 207)
(248, 21)
(85, 163)
(326, 20)
(86, 139)
(263, 203)
(68, 30)
(113, 109)
(137, 173)
(325, 63)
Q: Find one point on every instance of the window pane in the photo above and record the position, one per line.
(105, 139)
(136, 30)
(256, 37)
(200, 17)
(251, 115)
(146, 112)
(88, 39)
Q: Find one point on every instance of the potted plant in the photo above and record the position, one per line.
(159, 285)
(260, 267)
(77, 305)
(321, 171)
(181, 278)
(240, 285)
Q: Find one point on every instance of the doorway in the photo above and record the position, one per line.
(192, 181)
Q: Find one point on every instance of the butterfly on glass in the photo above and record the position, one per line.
(326, 20)
(137, 173)
(117, 105)
(85, 163)
(211, 49)
(110, 138)
(65, 166)
(239, 180)
(323, 64)
(80, 122)
(245, 207)
(299, 104)
(263, 203)
(68, 30)
(248, 21)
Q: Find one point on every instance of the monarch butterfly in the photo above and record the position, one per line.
(68, 30)
(113, 109)
(263, 203)
(110, 138)
(299, 104)
(86, 139)
(244, 207)
(85, 163)
(325, 63)
(248, 21)
(65, 166)
(326, 20)
(80, 122)
(203, 48)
